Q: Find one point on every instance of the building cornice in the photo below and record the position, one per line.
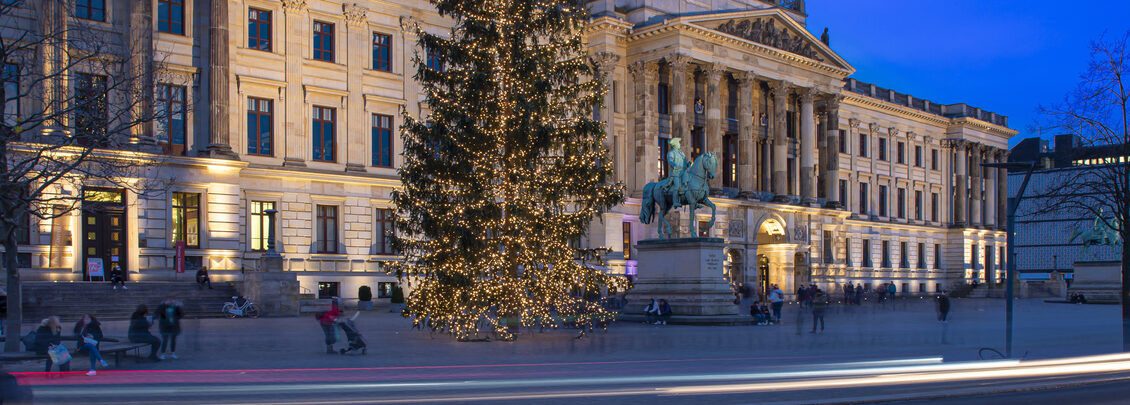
(904, 112)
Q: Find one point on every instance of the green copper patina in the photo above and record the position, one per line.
(1102, 233)
(686, 184)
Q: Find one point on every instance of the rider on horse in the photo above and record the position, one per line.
(679, 164)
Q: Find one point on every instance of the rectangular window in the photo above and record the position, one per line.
(626, 234)
(382, 140)
(435, 60)
(917, 204)
(866, 253)
(664, 147)
(921, 255)
(902, 203)
(260, 119)
(843, 192)
(661, 97)
(829, 258)
(886, 253)
(882, 201)
(90, 9)
(933, 159)
(882, 148)
(23, 231)
(974, 261)
(1000, 259)
(386, 223)
(863, 145)
(937, 256)
(863, 198)
(259, 29)
(847, 252)
(326, 232)
(186, 219)
(382, 52)
(170, 16)
(260, 226)
(904, 256)
(934, 207)
(329, 289)
(384, 289)
(843, 141)
(917, 156)
(902, 152)
(323, 41)
(172, 121)
(616, 96)
(323, 131)
(11, 78)
(90, 109)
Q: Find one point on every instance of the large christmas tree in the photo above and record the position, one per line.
(505, 170)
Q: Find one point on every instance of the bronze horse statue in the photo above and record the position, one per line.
(695, 194)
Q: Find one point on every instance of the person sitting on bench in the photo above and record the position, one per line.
(202, 278)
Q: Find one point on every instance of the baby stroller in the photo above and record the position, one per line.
(356, 341)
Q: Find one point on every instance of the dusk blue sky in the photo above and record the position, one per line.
(1005, 56)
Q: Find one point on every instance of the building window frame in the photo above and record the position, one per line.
(862, 145)
(921, 255)
(902, 203)
(172, 102)
(323, 38)
(626, 236)
(187, 218)
(901, 152)
(883, 200)
(662, 92)
(382, 52)
(883, 149)
(93, 10)
(382, 140)
(867, 260)
(937, 256)
(10, 79)
(933, 159)
(324, 126)
(170, 16)
(91, 112)
(260, 113)
(259, 224)
(904, 255)
(843, 141)
(917, 205)
(917, 155)
(259, 29)
(384, 225)
(326, 228)
(863, 198)
(885, 252)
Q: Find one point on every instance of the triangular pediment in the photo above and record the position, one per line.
(774, 30)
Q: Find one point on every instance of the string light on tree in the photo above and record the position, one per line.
(503, 172)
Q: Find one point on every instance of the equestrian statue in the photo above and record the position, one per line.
(686, 184)
(1101, 234)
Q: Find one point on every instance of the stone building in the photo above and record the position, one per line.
(293, 105)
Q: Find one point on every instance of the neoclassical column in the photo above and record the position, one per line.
(765, 149)
(680, 127)
(646, 124)
(807, 144)
(977, 183)
(294, 135)
(714, 116)
(959, 148)
(605, 63)
(1002, 191)
(747, 156)
(219, 142)
(832, 163)
(991, 189)
(780, 137)
(55, 58)
(141, 68)
(873, 181)
(356, 129)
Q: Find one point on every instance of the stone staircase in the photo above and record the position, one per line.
(70, 300)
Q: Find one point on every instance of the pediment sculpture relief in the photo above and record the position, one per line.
(765, 31)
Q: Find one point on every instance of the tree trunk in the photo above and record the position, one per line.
(1124, 296)
(15, 298)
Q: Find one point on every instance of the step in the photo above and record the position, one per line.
(70, 300)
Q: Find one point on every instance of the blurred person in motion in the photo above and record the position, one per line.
(943, 301)
(776, 300)
(48, 335)
(819, 305)
(169, 314)
(327, 320)
(139, 323)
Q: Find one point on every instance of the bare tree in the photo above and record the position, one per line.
(78, 111)
(1096, 111)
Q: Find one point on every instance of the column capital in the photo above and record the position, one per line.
(808, 95)
(294, 5)
(408, 24)
(714, 71)
(747, 78)
(833, 101)
(874, 127)
(605, 61)
(644, 69)
(928, 139)
(780, 89)
(678, 61)
(355, 15)
(893, 132)
(854, 123)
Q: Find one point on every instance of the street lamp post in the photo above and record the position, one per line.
(1010, 276)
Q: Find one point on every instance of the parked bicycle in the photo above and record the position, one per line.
(240, 307)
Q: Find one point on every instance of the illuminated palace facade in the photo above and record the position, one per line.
(293, 105)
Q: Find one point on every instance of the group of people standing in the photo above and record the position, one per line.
(168, 317)
(853, 295)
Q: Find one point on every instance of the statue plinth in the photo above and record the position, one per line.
(688, 273)
(1099, 281)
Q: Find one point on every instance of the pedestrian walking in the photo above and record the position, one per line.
(47, 337)
(858, 294)
(88, 332)
(139, 323)
(776, 300)
(819, 304)
(327, 320)
(943, 306)
(117, 277)
(3, 310)
(891, 290)
(169, 314)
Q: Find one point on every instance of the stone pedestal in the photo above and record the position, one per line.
(688, 273)
(275, 292)
(1099, 281)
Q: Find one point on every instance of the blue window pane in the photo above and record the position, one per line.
(265, 134)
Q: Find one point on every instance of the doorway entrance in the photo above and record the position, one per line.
(734, 267)
(762, 275)
(104, 232)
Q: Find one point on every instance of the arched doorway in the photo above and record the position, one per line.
(772, 245)
(734, 267)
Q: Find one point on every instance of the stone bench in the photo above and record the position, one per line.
(108, 346)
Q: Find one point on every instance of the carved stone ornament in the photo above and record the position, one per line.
(294, 5)
(736, 228)
(354, 14)
(808, 95)
(408, 23)
(800, 235)
(605, 61)
(678, 61)
(854, 123)
(874, 127)
(893, 132)
(764, 31)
